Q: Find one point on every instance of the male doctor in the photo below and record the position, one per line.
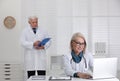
(35, 57)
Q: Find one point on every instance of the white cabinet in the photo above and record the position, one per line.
(11, 72)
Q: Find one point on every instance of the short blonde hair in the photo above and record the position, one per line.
(76, 35)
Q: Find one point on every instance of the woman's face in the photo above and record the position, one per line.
(78, 45)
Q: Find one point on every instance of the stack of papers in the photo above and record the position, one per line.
(38, 77)
(63, 78)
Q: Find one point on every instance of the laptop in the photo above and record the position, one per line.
(104, 68)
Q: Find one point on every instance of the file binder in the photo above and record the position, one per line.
(44, 41)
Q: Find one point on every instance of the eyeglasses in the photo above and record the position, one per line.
(79, 43)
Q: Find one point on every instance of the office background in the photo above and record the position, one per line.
(98, 20)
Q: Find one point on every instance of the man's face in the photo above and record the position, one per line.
(33, 23)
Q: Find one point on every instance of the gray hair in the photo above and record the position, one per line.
(32, 17)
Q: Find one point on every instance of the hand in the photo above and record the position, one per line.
(35, 44)
(41, 47)
(84, 75)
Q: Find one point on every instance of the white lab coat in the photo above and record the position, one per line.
(34, 59)
(71, 67)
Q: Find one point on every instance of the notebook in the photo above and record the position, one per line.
(104, 68)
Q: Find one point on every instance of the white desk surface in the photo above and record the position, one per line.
(79, 79)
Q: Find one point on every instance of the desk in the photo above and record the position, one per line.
(79, 79)
(112, 79)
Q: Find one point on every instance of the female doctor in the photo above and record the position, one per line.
(35, 57)
(78, 62)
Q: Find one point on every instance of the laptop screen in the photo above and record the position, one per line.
(104, 68)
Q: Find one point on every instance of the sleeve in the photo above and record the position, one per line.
(26, 44)
(91, 61)
(67, 66)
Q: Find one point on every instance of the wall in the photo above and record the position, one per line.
(10, 49)
(105, 21)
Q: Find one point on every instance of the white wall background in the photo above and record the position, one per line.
(98, 20)
(10, 49)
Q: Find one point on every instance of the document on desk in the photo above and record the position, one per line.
(63, 78)
(38, 77)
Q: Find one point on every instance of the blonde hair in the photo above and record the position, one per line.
(76, 35)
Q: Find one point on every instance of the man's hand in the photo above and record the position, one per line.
(41, 47)
(36, 45)
(84, 75)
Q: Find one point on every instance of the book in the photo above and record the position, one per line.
(44, 41)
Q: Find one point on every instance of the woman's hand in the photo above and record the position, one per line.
(84, 75)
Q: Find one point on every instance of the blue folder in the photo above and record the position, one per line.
(44, 41)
